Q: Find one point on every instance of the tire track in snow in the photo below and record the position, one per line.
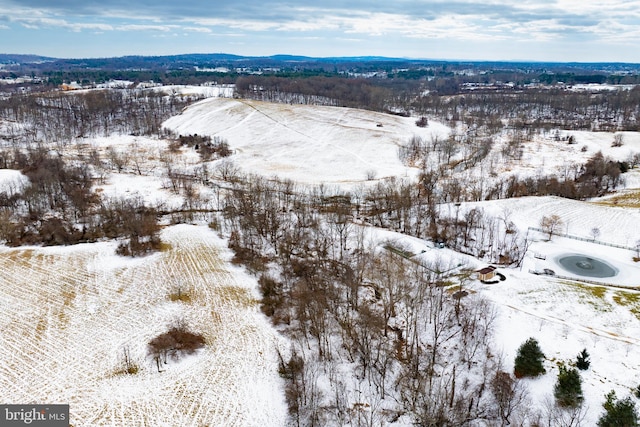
(586, 329)
(351, 153)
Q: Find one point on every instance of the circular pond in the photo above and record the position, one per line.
(583, 265)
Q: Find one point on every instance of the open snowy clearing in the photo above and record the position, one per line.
(68, 314)
(12, 181)
(307, 144)
(566, 317)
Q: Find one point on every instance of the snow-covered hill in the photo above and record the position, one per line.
(308, 144)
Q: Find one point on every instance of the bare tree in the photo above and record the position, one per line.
(227, 170)
(556, 416)
(370, 174)
(618, 140)
(118, 160)
(551, 224)
(509, 394)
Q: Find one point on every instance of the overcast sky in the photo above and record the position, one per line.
(543, 30)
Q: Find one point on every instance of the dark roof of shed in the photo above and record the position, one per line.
(486, 270)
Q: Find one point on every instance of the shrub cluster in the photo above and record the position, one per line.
(173, 343)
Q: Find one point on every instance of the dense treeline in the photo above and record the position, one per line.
(58, 206)
(59, 117)
(539, 109)
(386, 336)
(318, 90)
(53, 79)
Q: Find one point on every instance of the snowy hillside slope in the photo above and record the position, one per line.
(343, 146)
(307, 144)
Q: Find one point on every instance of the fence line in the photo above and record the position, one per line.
(584, 239)
(577, 279)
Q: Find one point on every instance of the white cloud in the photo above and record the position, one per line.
(197, 30)
(144, 27)
(37, 23)
(466, 22)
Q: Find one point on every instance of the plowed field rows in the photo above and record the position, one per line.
(68, 315)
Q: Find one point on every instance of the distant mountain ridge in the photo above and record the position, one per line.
(20, 63)
(7, 58)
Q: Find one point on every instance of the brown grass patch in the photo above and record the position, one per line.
(180, 296)
(129, 370)
(631, 300)
(237, 296)
(165, 247)
(628, 199)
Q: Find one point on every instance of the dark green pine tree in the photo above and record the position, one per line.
(583, 361)
(529, 359)
(568, 388)
(619, 413)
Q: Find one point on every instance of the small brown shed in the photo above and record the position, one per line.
(486, 273)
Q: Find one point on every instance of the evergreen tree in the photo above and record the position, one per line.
(529, 359)
(583, 361)
(568, 388)
(619, 413)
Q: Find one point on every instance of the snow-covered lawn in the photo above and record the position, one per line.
(68, 314)
(566, 317)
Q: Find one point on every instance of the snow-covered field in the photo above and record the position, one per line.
(307, 144)
(68, 314)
